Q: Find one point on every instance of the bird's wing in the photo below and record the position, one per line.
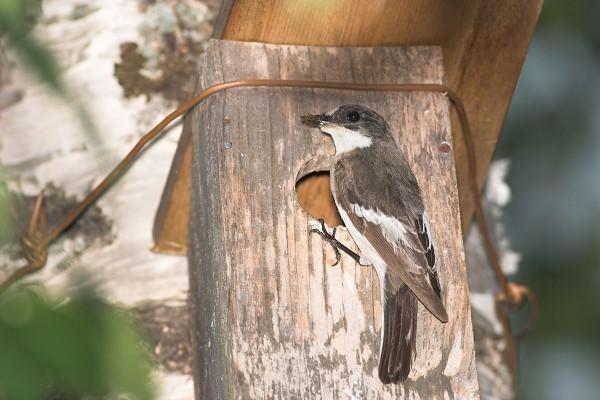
(402, 240)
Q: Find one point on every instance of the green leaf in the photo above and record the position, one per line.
(18, 16)
(82, 348)
(11, 11)
(40, 60)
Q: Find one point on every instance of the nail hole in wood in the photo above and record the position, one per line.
(444, 147)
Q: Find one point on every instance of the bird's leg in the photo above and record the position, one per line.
(335, 244)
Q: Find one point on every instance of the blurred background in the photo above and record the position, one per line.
(552, 137)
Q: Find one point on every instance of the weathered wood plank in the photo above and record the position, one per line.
(484, 44)
(174, 210)
(271, 319)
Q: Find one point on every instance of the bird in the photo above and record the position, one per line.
(381, 204)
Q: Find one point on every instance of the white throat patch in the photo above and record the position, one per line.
(346, 139)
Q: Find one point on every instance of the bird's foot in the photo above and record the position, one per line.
(335, 244)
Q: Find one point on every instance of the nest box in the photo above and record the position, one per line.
(271, 318)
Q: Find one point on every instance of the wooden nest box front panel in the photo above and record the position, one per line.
(272, 318)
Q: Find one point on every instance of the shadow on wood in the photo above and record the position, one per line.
(271, 318)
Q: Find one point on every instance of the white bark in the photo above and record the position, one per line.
(495, 378)
(42, 142)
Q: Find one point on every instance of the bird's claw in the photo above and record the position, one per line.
(329, 238)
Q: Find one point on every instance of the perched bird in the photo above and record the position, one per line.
(380, 202)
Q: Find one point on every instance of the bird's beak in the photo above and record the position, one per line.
(315, 121)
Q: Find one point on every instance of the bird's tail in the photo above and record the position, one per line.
(398, 340)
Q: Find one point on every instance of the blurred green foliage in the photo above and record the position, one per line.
(16, 20)
(6, 222)
(83, 348)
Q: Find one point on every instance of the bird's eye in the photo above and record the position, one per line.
(353, 116)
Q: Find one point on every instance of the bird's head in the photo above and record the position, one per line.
(351, 126)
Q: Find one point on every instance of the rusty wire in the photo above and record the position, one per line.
(511, 295)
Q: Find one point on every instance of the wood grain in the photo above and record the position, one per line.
(271, 318)
(173, 211)
(484, 44)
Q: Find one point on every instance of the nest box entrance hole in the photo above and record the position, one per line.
(313, 190)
